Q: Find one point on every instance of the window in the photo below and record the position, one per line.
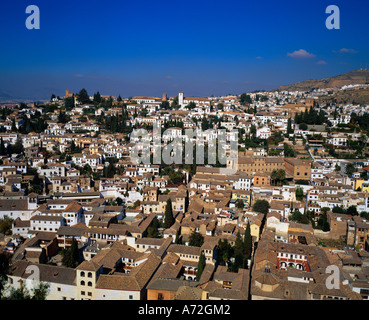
(82, 283)
(82, 273)
(130, 297)
(89, 294)
(59, 289)
(160, 296)
(89, 284)
(90, 274)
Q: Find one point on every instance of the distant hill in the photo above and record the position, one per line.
(352, 77)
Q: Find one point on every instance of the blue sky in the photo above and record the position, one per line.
(202, 47)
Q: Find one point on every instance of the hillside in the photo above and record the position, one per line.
(352, 77)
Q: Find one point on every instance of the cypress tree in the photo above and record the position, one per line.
(200, 266)
(247, 242)
(169, 220)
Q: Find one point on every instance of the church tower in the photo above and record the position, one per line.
(180, 99)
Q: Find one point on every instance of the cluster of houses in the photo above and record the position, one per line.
(111, 216)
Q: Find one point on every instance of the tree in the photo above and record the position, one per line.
(178, 236)
(299, 193)
(245, 98)
(152, 231)
(69, 103)
(278, 175)
(71, 255)
(352, 210)
(83, 96)
(97, 97)
(165, 105)
(350, 168)
(261, 206)
(240, 204)
(323, 222)
(109, 171)
(239, 258)
(6, 225)
(338, 209)
(4, 269)
(40, 292)
(191, 105)
(22, 293)
(144, 112)
(200, 266)
(296, 216)
(247, 242)
(196, 239)
(364, 214)
(289, 126)
(288, 151)
(224, 252)
(168, 218)
(2, 147)
(14, 127)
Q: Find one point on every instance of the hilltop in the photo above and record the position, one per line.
(349, 78)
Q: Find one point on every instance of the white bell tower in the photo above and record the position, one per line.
(180, 99)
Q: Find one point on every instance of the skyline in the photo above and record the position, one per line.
(202, 48)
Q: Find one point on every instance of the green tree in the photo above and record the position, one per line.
(240, 204)
(200, 266)
(165, 105)
(71, 255)
(299, 193)
(261, 206)
(247, 242)
(196, 239)
(191, 105)
(4, 270)
(288, 151)
(323, 222)
(2, 147)
(350, 168)
(6, 225)
(245, 99)
(83, 96)
(69, 103)
(289, 126)
(168, 217)
(225, 252)
(352, 210)
(97, 97)
(338, 209)
(152, 231)
(22, 293)
(178, 236)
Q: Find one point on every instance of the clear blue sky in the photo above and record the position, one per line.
(202, 47)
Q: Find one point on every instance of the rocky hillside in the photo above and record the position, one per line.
(352, 77)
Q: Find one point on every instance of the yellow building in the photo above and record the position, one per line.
(244, 195)
(359, 184)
